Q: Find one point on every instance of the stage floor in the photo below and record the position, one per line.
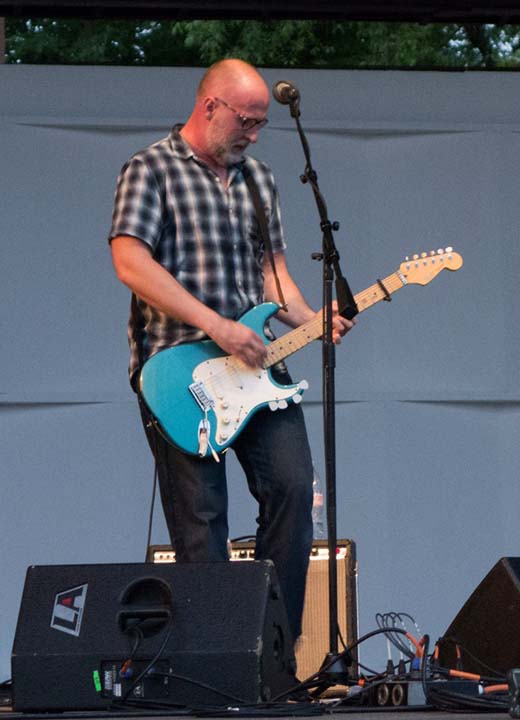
(291, 710)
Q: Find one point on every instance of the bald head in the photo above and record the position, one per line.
(229, 76)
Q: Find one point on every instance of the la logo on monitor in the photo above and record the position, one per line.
(67, 613)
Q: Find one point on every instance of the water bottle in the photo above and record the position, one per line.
(318, 507)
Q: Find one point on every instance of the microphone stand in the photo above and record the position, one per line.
(335, 665)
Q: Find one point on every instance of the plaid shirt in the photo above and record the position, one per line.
(207, 237)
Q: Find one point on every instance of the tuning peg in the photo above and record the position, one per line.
(449, 249)
(440, 251)
(423, 254)
(416, 257)
(407, 258)
(432, 253)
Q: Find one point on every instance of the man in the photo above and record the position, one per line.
(185, 240)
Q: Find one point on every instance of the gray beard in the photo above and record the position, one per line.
(225, 157)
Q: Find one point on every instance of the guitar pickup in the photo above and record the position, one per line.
(204, 400)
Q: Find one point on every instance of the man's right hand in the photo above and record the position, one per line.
(237, 339)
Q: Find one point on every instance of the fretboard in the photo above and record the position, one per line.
(301, 336)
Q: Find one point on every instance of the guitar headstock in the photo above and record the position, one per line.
(421, 269)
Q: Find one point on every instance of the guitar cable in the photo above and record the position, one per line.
(152, 508)
(150, 423)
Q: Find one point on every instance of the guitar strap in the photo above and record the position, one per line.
(263, 227)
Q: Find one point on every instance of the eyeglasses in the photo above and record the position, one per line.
(246, 123)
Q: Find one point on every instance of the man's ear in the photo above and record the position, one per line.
(210, 105)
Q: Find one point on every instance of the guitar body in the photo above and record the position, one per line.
(203, 398)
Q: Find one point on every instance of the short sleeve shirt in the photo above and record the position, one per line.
(204, 234)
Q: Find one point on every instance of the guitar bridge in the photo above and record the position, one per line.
(204, 400)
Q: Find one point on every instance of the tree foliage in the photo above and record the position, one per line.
(283, 43)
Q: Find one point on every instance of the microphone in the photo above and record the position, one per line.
(285, 92)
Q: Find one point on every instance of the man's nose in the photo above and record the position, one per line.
(252, 134)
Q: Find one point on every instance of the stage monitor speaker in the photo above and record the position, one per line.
(314, 642)
(89, 636)
(487, 627)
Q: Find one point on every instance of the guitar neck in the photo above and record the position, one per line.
(301, 336)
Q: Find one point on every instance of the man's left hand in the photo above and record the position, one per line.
(340, 325)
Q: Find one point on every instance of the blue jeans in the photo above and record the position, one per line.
(274, 452)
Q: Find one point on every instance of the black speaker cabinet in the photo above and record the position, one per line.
(313, 644)
(487, 626)
(89, 636)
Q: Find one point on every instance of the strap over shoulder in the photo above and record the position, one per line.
(264, 228)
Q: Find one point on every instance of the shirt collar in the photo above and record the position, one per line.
(179, 146)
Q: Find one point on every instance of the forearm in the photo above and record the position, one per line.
(298, 310)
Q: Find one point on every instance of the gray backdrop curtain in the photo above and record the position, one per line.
(427, 387)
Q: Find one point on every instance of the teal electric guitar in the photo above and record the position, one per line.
(202, 398)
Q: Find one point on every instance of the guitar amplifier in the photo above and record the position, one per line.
(314, 641)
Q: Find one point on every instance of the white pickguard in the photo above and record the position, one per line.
(237, 389)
